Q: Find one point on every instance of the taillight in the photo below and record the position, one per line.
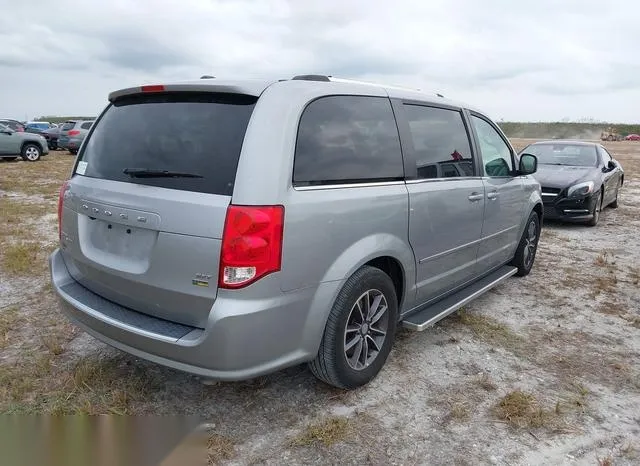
(63, 189)
(153, 88)
(73, 132)
(251, 244)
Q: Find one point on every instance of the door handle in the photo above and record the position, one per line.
(475, 197)
(493, 195)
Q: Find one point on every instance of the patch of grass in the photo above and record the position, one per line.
(634, 321)
(20, 258)
(458, 411)
(606, 461)
(9, 317)
(92, 386)
(612, 308)
(521, 409)
(16, 214)
(490, 330)
(326, 432)
(219, 448)
(485, 382)
(602, 259)
(44, 177)
(604, 284)
(53, 343)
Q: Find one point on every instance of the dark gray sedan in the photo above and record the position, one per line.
(578, 179)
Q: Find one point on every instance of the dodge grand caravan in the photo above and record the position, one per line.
(233, 228)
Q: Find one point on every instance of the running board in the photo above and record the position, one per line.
(428, 316)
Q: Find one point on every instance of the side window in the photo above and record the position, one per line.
(496, 155)
(347, 139)
(440, 142)
(86, 125)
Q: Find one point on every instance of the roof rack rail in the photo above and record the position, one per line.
(207, 76)
(440, 95)
(369, 83)
(311, 77)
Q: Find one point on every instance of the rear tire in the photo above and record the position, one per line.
(358, 336)
(597, 208)
(73, 151)
(31, 152)
(528, 246)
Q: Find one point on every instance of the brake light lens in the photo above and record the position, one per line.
(73, 132)
(251, 244)
(153, 88)
(63, 190)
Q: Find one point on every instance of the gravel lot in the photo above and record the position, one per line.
(541, 370)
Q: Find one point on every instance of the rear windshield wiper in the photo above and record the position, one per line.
(149, 173)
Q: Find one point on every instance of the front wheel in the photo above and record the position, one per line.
(597, 207)
(528, 246)
(31, 152)
(615, 204)
(359, 332)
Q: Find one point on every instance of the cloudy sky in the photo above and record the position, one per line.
(518, 60)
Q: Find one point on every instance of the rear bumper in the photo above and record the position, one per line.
(244, 338)
(577, 210)
(69, 143)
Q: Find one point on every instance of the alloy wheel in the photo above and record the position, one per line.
(366, 329)
(32, 153)
(531, 242)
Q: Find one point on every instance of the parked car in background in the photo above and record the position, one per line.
(234, 228)
(51, 135)
(13, 124)
(37, 126)
(578, 179)
(632, 137)
(72, 133)
(14, 144)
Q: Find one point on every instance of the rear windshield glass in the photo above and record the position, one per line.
(580, 155)
(68, 125)
(195, 134)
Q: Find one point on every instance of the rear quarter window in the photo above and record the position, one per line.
(193, 133)
(347, 139)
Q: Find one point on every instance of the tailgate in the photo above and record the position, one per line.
(143, 216)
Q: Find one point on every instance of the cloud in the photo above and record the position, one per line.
(133, 50)
(542, 60)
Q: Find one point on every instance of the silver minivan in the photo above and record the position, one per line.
(233, 228)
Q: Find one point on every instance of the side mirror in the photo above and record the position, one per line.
(528, 164)
(611, 165)
(7, 131)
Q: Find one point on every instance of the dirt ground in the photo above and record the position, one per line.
(541, 370)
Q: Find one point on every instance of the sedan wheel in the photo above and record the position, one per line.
(597, 207)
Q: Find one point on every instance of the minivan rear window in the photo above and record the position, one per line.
(199, 134)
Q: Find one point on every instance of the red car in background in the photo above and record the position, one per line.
(632, 137)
